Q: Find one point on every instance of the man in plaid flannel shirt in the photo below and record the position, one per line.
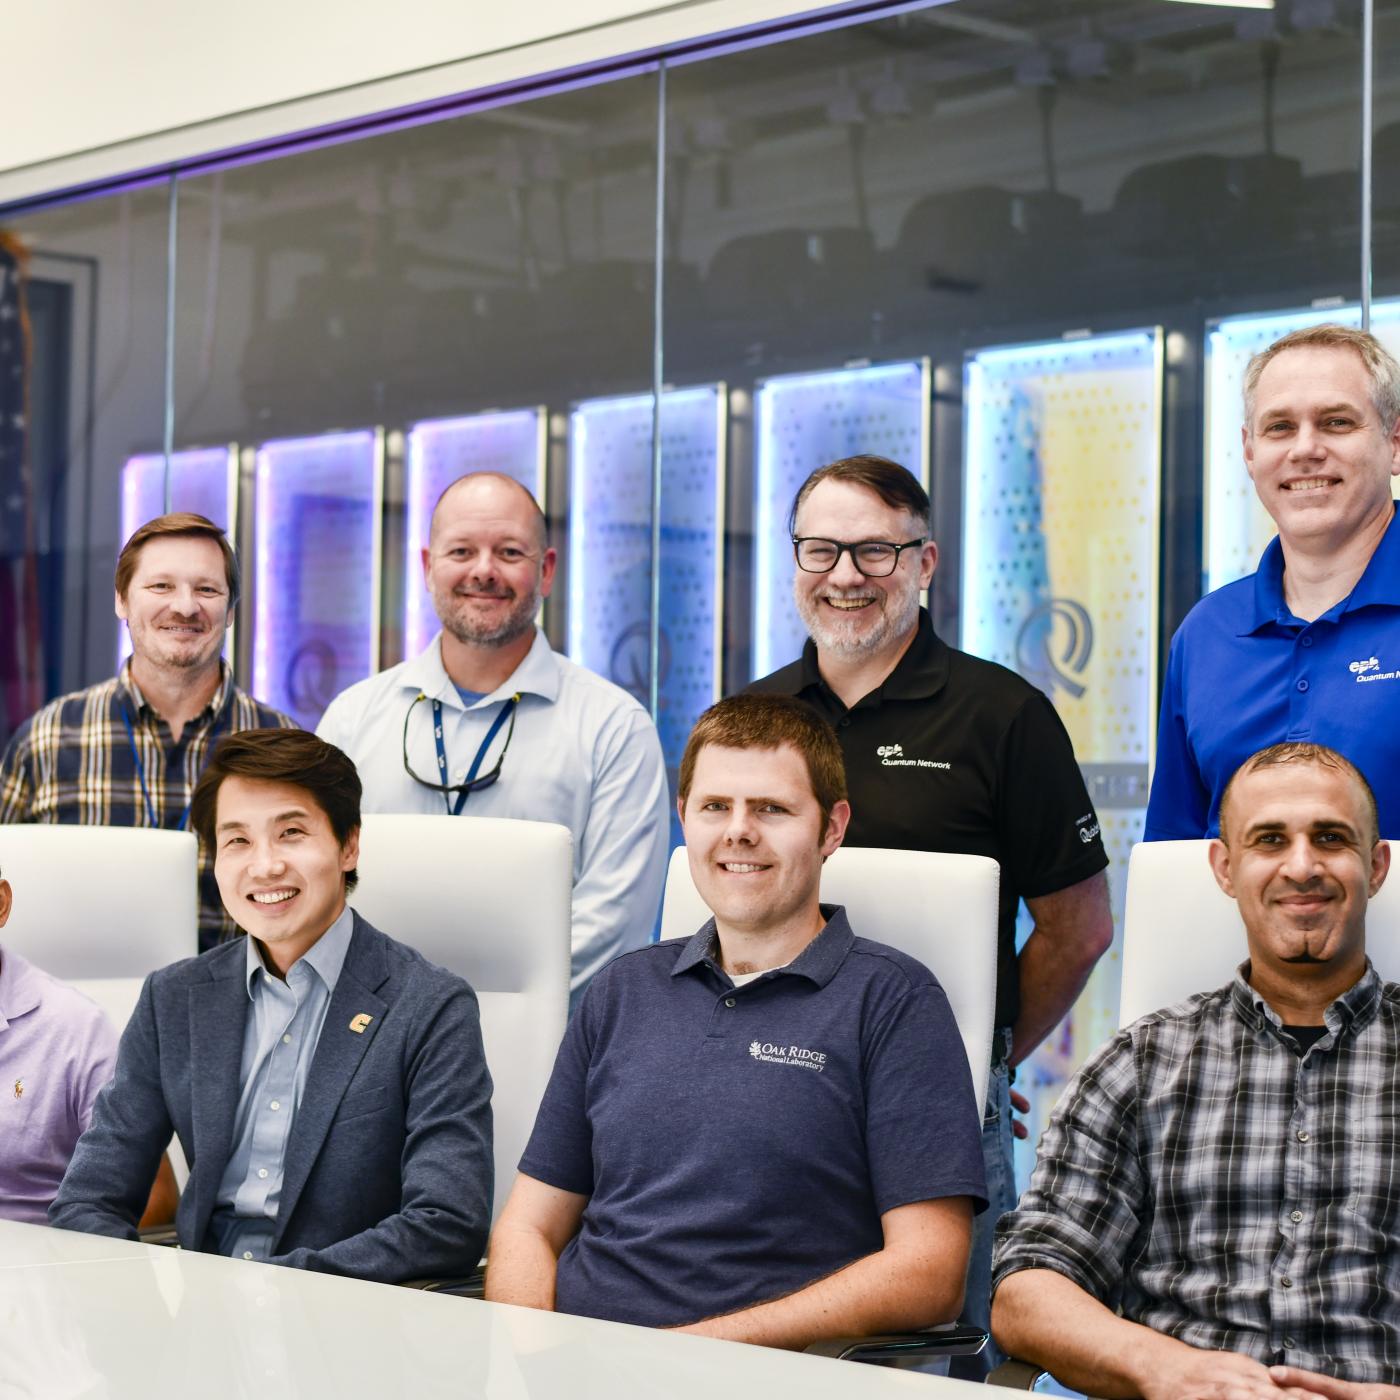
(1216, 1207)
(129, 751)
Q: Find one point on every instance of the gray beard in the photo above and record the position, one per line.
(511, 628)
(839, 639)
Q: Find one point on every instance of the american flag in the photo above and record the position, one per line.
(21, 677)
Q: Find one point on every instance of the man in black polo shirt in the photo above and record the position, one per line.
(767, 1132)
(946, 752)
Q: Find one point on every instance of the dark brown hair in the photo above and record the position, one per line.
(293, 756)
(896, 486)
(180, 525)
(1319, 756)
(768, 722)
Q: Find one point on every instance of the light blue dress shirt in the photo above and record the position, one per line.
(279, 1041)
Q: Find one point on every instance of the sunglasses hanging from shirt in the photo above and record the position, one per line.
(472, 783)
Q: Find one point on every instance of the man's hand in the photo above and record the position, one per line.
(1226, 1375)
(1329, 1387)
(1019, 1104)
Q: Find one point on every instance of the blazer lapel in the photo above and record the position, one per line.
(218, 1016)
(338, 1055)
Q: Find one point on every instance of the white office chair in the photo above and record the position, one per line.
(940, 909)
(489, 899)
(1182, 933)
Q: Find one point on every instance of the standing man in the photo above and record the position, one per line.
(489, 721)
(946, 752)
(327, 1083)
(129, 751)
(766, 1132)
(1308, 647)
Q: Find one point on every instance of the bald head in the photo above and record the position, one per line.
(493, 495)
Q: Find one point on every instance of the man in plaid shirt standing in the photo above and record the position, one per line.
(1216, 1206)
(129, 751)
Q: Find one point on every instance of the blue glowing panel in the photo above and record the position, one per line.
(316, 546)
(610, 540)
(801, 422)
(440, 451)
(203, 480)
(1061, 479)
(1237, 526)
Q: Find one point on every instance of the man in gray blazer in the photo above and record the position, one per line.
(327, 1084)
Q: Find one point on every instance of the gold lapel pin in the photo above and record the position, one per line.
(19, 1088)
(360, 1022)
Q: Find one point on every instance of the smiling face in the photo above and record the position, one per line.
(845, 613)
(280, 869)
(754, 837)
(486, 566)
(1315, 447)
(1301, 862)
(176, 605)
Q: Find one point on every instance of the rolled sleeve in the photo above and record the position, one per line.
(1083, 1209)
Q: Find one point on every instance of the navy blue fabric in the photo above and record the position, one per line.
(737, 1144)
(1245, 673)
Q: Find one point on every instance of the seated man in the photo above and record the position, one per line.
(327, 1084)
(1223, 1173)
(765, 1132)
(57, 1050)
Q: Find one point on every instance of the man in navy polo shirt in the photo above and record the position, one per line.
(766, 1132)
(1307, 648)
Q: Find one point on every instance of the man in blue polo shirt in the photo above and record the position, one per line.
(1307, 648)
(766, 1132)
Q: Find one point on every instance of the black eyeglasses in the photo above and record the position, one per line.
(874, 558)
(472, 783)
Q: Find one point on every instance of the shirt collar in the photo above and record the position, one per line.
(127, 682)
(537, 674)
(1354, 1009)
(326, 956)
(819, 961)
(20, 989)
(1379, 583)
(918, 675)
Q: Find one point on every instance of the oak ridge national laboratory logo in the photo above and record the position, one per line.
(788, 1055)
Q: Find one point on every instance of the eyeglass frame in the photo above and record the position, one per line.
(471, 785)
(850, 548)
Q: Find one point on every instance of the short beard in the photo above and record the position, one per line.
(841, 639)
(514, 625)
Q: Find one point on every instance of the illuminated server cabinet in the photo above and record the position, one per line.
(203, 480)
(1237, 527)
(1061, 483)
(440, 450)
(316, 544)
(802, 421)
(611, 499)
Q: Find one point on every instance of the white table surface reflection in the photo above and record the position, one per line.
(110, 1319)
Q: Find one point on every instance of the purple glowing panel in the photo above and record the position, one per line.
(202, 480)
(439, 452)
(801, 422)
(316, 546)
(610, 543)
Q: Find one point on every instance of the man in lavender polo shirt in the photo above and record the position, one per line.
(57, 1050)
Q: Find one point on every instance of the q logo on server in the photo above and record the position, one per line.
(1054, 645)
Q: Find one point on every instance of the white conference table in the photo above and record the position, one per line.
(83, 1316)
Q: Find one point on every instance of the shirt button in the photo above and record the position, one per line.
(262, 1174)
(729, 1001)
(247, 1253)
(1295, 1216)
(1286, 1281)
(286, 1040)
(1302, 685)
(274, 1104)
(1305, 641)
(1303, 1134)
(1289, 1344)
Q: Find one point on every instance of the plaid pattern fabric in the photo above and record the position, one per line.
(73, 764)
(1201, 1177)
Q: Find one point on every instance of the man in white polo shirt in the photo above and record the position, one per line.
(489, 721)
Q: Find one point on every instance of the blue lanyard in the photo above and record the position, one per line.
(506, 711)
(141, 767)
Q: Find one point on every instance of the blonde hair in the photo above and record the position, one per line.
(1379, 362)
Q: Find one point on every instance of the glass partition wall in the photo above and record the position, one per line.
(1012, 243)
